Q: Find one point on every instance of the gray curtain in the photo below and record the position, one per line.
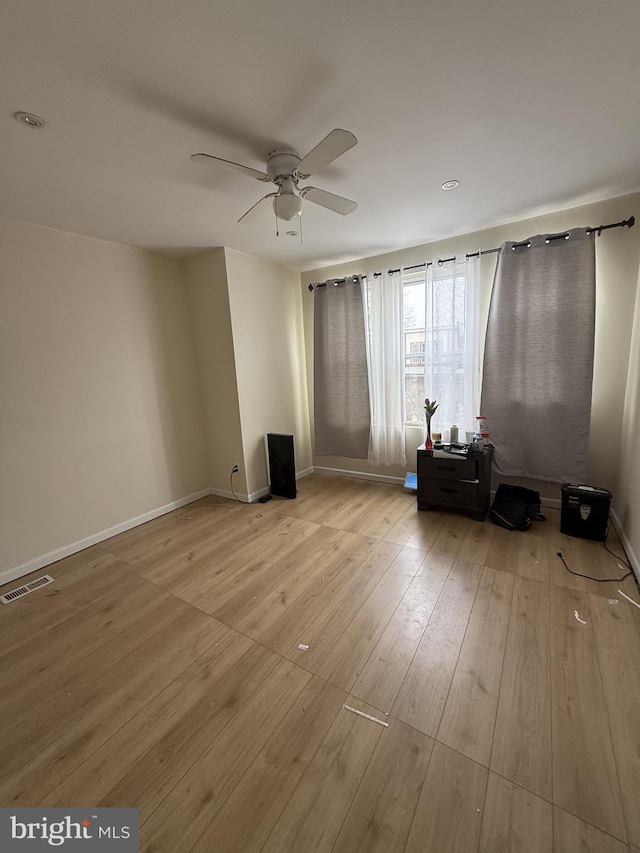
(341, 386)
(538, 360)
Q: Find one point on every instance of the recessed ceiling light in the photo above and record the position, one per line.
(292, 233)
(29, 119)
(450, 185)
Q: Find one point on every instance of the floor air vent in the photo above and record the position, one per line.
(8, 597)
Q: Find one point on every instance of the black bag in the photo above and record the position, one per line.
(515, 507)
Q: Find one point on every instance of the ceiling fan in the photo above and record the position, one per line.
(286, 169)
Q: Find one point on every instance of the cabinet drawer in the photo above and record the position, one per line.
(452, 492)
(449, 468)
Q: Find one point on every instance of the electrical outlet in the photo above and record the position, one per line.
(235, 469)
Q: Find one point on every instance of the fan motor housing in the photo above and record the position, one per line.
(282, 163)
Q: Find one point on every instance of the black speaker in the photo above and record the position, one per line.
(282, 466)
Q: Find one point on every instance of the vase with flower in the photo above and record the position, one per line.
(429, 411)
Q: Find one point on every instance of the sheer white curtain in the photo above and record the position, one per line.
(452, 341)
(382, 297)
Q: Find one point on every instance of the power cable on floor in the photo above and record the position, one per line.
(600, 580)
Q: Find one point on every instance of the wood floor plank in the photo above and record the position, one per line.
(617, 630)
(452, 533)
(348, 652)
(566, 545)
(522, 742)
(133, 545)
(389, 515)
(381, 678)
(476, 542)
(332, 497)
(176, 750)
(533, 556)
(187, 539)
(515, 820)
(197, 795)
(254, 588)
(330, 601)
(44, 711)
(448, 817)
(271, 779)
(585, 780)
(572, 835)
(67, 626)
(145, 677)
(365, 504)
(116, 691)
(314, 815)
(81, 578)
(171, 559)
(468, 720)
(381, 814)
(314, 491)
(423, 694)
(427, 531)
(331, 565)
(211, 582)
(102, 769)
(504, 549)
(405, 526)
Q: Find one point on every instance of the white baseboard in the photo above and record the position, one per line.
(43, 560)
(633, 558)
(60, 553)
(225, 493)
(360, 475)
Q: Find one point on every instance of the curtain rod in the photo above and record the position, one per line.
(629, 223)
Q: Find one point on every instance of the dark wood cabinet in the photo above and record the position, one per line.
(455, 481)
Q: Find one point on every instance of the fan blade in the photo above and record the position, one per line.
(257, 211)
(332, 146)
(230, 166)
(329, 200)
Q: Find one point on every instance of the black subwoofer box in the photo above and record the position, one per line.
(282, 466)
(585, 512)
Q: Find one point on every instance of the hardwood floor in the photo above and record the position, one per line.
(165, 669)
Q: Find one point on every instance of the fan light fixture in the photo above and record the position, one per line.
(287, 206)
(285, 169)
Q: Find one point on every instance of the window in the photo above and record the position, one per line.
(413, 311)
(441, 342)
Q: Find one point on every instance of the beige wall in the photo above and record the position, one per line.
(206, 277)
(627, 496)
(268, 340)
(617, 254)
(100, 413)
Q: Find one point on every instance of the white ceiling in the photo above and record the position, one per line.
(531, 106)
